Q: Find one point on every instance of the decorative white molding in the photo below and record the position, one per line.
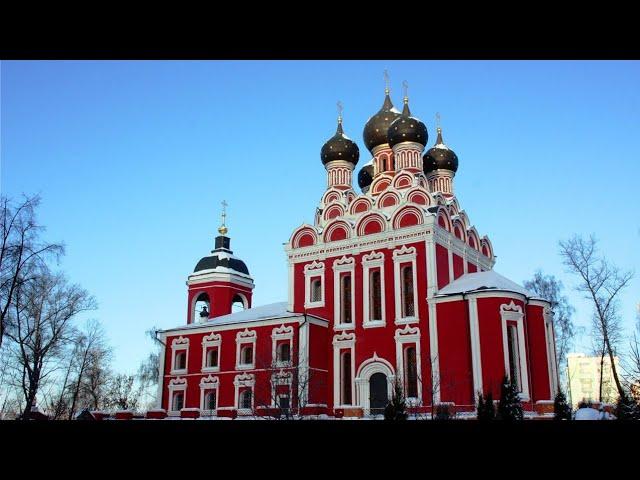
(177, 385)
(213, 340)
(476, 355)
(367, 368)
(313, 270)
(369, 262)
(402, 255)
(343, 341)
(207, 384)
(178, 345)
(343, 265)
(513, 312)
(240, 381)
(552, 362)
(279, 334)
(242, 338)
(434, 350)
(407, 337)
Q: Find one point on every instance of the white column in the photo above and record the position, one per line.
(161, 359)
(432, 269)
(476, 360)
(433, 351)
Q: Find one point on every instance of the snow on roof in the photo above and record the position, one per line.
(264, 312)
(490, 280)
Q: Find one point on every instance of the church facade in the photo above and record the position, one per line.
(389, 289)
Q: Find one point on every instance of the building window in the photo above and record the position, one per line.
(210, 400)
(345, 298)
(514, 358)
(180, 362)
(346, 378)
(283, 352)
(212, 357)
(245, 399)
(316, 290)
(411, 372)
(246, 355)
(178, 401)
(375, 296)
(408, 306)
(283, 402)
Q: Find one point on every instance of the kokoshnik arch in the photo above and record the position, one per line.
(392, 284)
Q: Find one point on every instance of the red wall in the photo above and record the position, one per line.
(454, 352)
(538, 363)
(442, 262)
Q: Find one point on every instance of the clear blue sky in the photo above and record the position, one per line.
(133, 158)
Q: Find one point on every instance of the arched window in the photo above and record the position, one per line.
(245, 399)
(180, 361)
(212, 357)
(316, 290)
(178, 401)
(514, 357)
(201, 308)
(411, 372)
(375, 296)
(345, 298)
(246, 355)
(210, 400)
(284, 352)
(346, 378)
(408, 308)
(237, 304)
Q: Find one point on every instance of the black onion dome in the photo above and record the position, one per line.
(406, 128)
(375, 130)
(222, 259)
(365, 176)
(440, 157)
(340, 147)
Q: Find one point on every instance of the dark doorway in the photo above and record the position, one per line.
(378, 393)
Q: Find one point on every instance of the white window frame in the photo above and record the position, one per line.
(177, 385)
(206, 385)
(243, 338)
(340, 266)
(312, 270)
(281, 378)
(369, 262)
(178, 345)
(400, 256)
(513, 313)
(281, 334)
(408, 336)
(241, 381)
(214, 340)
(341, 342)
(549, 334)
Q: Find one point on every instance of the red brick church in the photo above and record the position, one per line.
(393, 284)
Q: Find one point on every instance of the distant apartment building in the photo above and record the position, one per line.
(583, 373)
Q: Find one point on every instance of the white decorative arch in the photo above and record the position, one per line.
(367, 368)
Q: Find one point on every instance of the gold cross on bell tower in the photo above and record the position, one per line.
(223, 228)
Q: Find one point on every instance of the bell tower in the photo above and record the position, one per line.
(219, 281)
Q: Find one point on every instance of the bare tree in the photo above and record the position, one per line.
(124, 392)
(549, 288)
(633, 380)
(601, 282)
(149, 372)
(41, 328)
(20, 250)
(285, 394)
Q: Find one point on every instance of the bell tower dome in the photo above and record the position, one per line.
(219, 281)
